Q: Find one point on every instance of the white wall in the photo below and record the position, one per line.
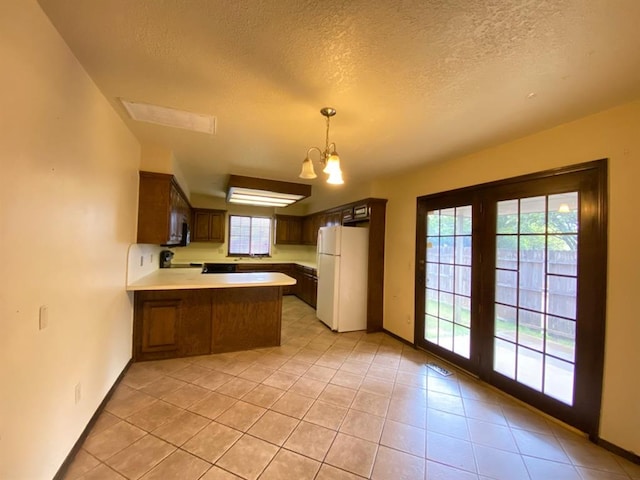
(613, 134)
(68, 207)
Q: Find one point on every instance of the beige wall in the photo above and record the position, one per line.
(614, 134)
(68, 212)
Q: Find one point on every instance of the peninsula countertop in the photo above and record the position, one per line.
(192, 278)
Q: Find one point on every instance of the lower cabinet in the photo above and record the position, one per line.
(286, 268)
(181, 323)
(307, 285)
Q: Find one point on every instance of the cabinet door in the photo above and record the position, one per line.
(309, 230)
(160, 325)
(201, 226)
(288, 230)
(216, 226)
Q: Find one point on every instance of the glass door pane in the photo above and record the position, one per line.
(536, 293)
(448, 279)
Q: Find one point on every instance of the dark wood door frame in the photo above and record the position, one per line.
(592, 261)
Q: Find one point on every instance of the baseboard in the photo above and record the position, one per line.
(621, 452)
(67, 461)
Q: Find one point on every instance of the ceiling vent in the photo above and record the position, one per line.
(170, 117)
(265, 193)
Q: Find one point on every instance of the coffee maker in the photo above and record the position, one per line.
(165, 258)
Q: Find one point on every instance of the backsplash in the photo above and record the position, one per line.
(142, 259)
(208, 252)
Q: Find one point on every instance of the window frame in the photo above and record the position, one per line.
(249, 254)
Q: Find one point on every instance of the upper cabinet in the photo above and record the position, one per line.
(163, 208)
(208, 225)
(288, 230)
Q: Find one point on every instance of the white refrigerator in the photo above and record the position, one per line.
(342, 277)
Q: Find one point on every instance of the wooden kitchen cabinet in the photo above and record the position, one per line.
(288, 230)
(310, 225)
(163, 208)
(208, 225)
(171, 323)
(307, 284)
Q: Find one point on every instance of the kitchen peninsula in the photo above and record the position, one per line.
(181, 312)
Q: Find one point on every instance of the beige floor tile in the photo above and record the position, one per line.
(139, 375)
(290, 466)
(181, 428)
(104, 421)
(295, 367)
(256, 373)
(439, 471)
(346, 379)
(539, 445)
(151, 417)
(354, 367)
(383, 373)
(371, 403)
(448, 385)
(404, 437)
(126, 401)
(235, 367)
(186, 396)
(327, 472)
(590, 474)
(540, 469)
(352, 454)
(392, 464)
(320, 373)
(293, 405)
(487, 412)
(363, 425)
(213, 380)
(326, 415)
(237, 388)
(496, 436)
(112, 440)
(409, 412)
(308, 387)
(81, 464)
(273, 361)
(241, 416)
(273, 427)
(180, 465)
(499, 464)
(162, 386)
(216, 473)
(263, 396)
(584, 454)
(212, 441)
(336, 395)
(259, 451)
(412, 379)
(451, 451)
(212, 405)
(447, 403)
(139, 457)
(377, 386)
(331, 360)
(280, 380)
(446, 423)
(190, 373)
(310, 440)
(102, 472)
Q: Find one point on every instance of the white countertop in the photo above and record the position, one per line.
(188, 278)
(251, 261)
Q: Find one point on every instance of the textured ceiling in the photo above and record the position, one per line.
(413, 81)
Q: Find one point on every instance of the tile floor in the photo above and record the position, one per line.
(326, 406)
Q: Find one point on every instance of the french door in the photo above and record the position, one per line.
(510, 285)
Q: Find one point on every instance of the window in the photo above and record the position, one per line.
(249, 235)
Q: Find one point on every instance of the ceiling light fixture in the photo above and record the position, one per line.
(264, 193)
(329, 158)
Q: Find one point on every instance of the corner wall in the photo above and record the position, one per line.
(613, 134)
(68, 207)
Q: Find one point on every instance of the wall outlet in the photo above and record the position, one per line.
(78, 393)
(142, 260)
(43, 317)
(151, 258)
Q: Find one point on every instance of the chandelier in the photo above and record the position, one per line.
(329, 159)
